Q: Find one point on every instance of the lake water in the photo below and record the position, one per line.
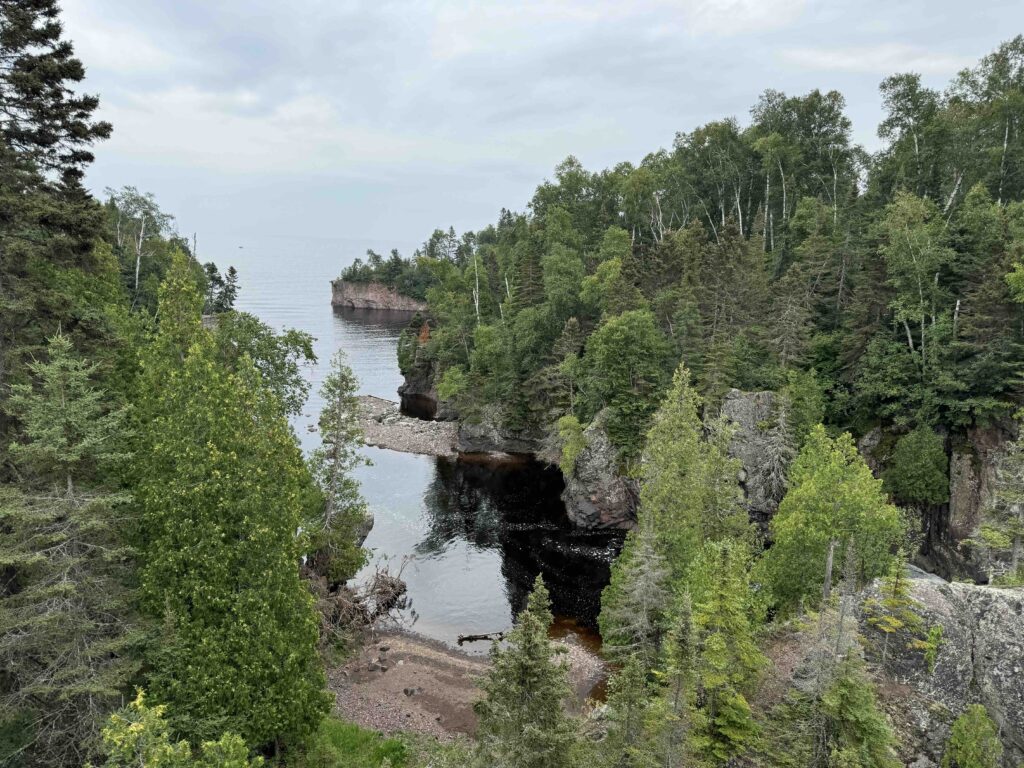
(472, 535)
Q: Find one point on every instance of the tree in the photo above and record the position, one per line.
(896, 610)
(729, 659)
(688, 487)
(335, 553)
(624, 365)
(919, 469)
(522, 723)
(833, 500)
(859, 735)
(225, 301)
(139, 735)
(973, 741)
(138, 228)
(221, 492)
(634, 605)
(65, 615)
(67, 428)
(626, 745)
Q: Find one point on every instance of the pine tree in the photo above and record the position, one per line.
(64, 605)
(634, 605)
(973, 741)
(335, 553)
(522, 723)
(729, 660)
(221, 492)
(627, 744)
(896, 611)
(675, 705)
(67, 428)
(228, 293)
(859, 735)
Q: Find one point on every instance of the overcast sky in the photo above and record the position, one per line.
(359, 121)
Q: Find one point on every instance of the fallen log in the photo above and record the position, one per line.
(475, 638)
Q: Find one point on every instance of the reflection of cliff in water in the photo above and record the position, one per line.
(515, 507)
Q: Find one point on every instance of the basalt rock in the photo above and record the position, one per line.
(487, 434)
(749, 414)
(980, 660)
(595, 495)
(372, 296)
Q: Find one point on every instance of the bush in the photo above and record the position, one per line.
(345, 745)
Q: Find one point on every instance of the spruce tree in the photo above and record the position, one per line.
(858, 734)
(896, 611)
(973, 741)
(729, 660)
(65, 615)
(522, 722)
(627, 744)
(635, 604)
(335, 554)
(221, 492)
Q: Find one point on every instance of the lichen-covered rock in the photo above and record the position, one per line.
(972, 471)
(595, 495)
(749, 414)
(486, 434)
(980, 660)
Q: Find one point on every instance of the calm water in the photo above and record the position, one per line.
(473, 535)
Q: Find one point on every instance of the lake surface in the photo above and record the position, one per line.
(472, 535)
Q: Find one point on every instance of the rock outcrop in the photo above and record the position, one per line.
(595, 495)
(372, 296)
(486, 434)
(385, 426)
(748, 413)
(980, 660)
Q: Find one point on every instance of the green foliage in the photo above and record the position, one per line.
(973, 741)
(896, 611)
(521, 720)
(338, 744)
(409, 277)
(139, 735)
(68, 430)
(688, 486)
(627, 745)
(832, 496)
(919, 469)
(624, 367)
(729, 660)
(221, 491)
(634, 605)
(570, 435)
(859, 735)
(335, 553)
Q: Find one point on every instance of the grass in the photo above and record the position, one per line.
(345, 745)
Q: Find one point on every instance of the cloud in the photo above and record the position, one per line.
(881, 59)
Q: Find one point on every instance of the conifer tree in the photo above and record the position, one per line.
(67, 428)
(674, 708)
(627, 744)
(335, 553)
(729, 660)
(973, 741)
(65, 615)
(634, 605)
(522, 721)
(221, 493)
(833, 498)
(859, 735)
(896, 611)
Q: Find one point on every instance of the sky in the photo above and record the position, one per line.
(345, 122)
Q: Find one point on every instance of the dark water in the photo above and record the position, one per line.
(472, 534)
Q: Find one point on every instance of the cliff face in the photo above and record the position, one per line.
(372, 296)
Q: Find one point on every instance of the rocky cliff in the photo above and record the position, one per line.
(980, 660)
(595, 495)
(748, 414)
(372, 296)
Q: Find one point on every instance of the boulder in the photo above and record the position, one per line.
(980, 660)
(595, 494)
(749, 414)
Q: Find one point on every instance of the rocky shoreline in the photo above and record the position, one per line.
(385, 426)
(351, 295)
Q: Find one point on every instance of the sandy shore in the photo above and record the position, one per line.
(404, 682)
(384, 426)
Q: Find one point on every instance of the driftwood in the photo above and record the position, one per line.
(486, 636)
